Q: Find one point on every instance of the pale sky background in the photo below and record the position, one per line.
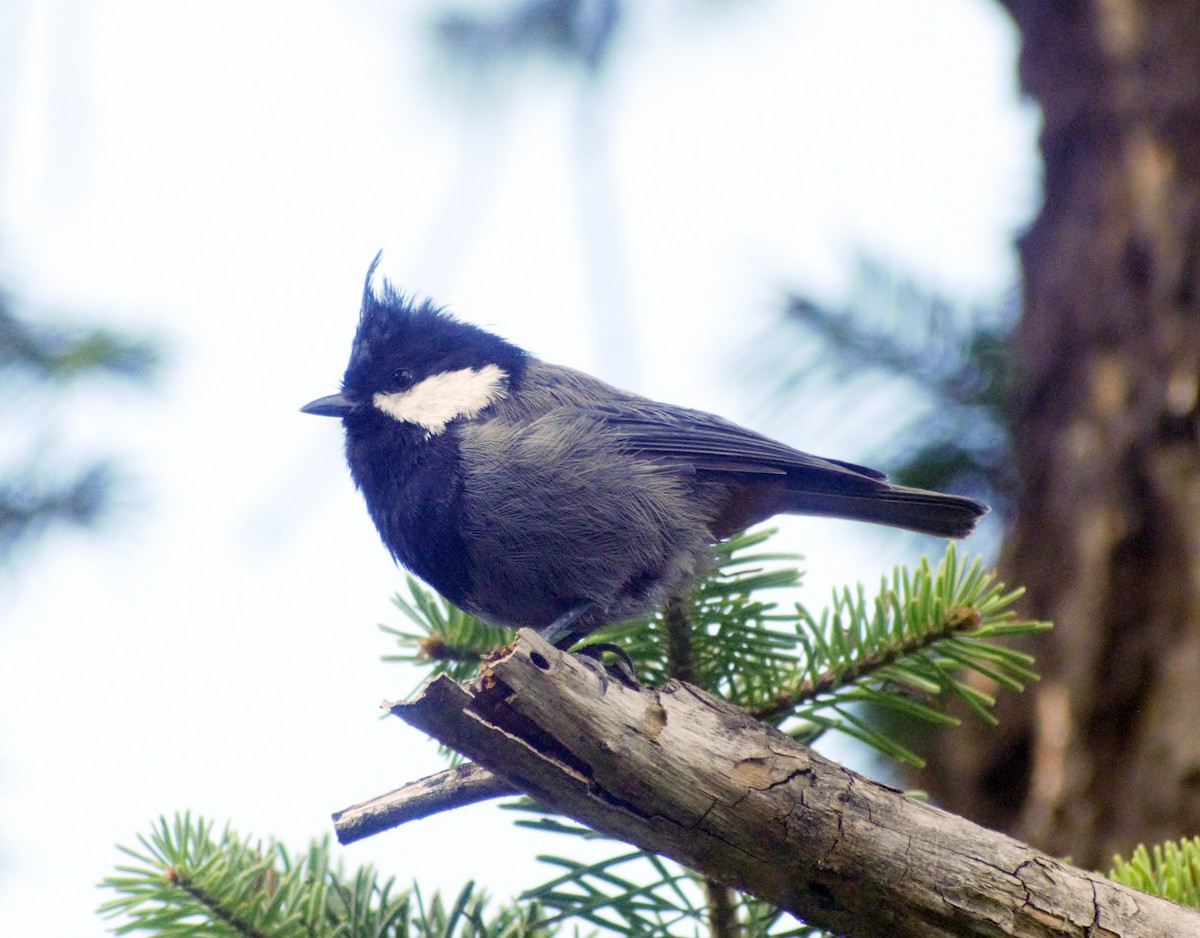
(219, 175)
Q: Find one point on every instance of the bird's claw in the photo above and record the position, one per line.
(622, 669)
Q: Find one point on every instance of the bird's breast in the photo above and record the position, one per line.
(413, 490)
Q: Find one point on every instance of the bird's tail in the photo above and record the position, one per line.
(895, 505)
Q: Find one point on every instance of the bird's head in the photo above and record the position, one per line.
(415, 364)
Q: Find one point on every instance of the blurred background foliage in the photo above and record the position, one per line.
(43, 362)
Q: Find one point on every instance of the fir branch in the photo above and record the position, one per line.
(63, 353)
(213, 906)
(722, 908)
(677, 632)
(185, 881)
(866, 665)
(903, 650)
(448, 640)
(678, 629)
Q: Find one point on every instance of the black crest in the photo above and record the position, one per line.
(399, 334)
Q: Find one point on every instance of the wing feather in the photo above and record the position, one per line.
(712, 443)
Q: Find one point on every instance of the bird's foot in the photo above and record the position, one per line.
(564, 632)
(622, 669)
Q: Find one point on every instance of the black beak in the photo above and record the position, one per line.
(335, 405)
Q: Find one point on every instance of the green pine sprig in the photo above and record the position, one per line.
(1171, 870)
(184, 881)
(447, 640)
(908, 649)
(634, 892)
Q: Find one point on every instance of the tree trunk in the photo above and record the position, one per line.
(1105, 752)
(682, 773)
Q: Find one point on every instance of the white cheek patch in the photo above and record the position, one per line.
(441, 398)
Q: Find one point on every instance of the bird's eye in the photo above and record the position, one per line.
(401, 379)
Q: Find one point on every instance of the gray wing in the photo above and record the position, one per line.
(752, 476)
(711, 443)
(665, 432)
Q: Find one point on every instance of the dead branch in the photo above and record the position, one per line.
(687, 775)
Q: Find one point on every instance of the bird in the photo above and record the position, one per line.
(532, 495)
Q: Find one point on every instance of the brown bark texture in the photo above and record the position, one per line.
(1105, 752)
(687, 775)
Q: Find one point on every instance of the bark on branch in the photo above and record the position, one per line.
(454, 788)
(689, 776)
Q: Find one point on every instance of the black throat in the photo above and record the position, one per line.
(412, 484)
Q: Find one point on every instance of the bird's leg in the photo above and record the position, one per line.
(560, 633)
